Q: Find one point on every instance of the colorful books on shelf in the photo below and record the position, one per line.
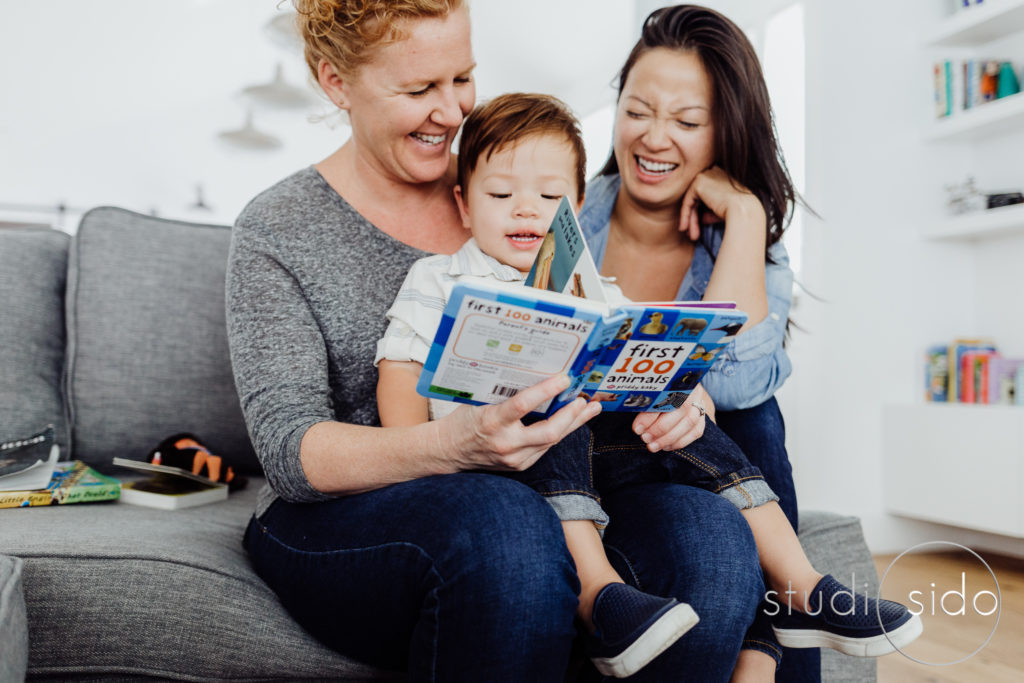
(496, 340)
(972, 371)
(168, 488)
(962, 85)
(70, 482)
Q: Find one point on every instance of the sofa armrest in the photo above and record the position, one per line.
(13, 623)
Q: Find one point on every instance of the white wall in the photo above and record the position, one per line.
(120, 101)
(885, 294)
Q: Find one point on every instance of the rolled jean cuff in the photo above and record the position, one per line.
(571, 506)
(771, 649)
(760, 635)
(748, 493)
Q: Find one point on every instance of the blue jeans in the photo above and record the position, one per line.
(605, 455)
(761, 433)
(466, 577)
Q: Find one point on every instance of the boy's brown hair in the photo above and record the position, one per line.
(509, 118)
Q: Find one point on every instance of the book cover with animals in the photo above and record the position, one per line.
(496, 340)
(71, 482)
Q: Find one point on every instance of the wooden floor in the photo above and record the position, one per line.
(950, 637)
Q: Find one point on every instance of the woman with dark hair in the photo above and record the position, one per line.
(696, 191)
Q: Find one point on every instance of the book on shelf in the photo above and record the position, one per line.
(70, 482)
(936, 372)
(970, 379)
(27, 463)
(495, 340)
(957, 374)
(168, 488)
(1005, 381)
(943, 88)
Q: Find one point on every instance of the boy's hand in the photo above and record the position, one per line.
(677, 428)
(493, 437)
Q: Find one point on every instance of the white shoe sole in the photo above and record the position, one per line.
(650, 644)
(876, 646)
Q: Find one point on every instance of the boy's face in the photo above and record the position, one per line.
(512, 197)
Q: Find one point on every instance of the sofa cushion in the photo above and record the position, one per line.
(137, 592)
(33, 264)
(147, 340)
(169, 594)
(13, 627)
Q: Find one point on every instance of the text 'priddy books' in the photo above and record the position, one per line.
(497, 339)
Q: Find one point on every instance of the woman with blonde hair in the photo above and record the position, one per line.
(383, 542)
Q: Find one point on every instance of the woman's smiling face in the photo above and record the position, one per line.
(664, 134)
(406, 104)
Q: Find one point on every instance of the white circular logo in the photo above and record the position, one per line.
(953, 594)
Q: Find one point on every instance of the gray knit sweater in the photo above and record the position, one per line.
(308, 283)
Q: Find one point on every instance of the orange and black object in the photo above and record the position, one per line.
(185, 451)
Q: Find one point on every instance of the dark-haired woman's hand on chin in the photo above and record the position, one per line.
(493, 437)
(723, 198)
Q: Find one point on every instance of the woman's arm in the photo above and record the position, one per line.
(279, 359)
(754, 365)
(342, 458)
(739, 272)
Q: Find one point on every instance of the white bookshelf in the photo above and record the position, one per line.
(979, 225)
(988, 120)
(954, 463)
(979, 24)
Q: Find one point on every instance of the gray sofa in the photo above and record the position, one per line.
(116, 336)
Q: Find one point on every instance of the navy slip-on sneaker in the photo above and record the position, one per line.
(850, 623)
(633, 627)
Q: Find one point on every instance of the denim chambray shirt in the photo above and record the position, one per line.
(751, 367)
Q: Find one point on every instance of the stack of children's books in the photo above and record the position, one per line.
(30, 475)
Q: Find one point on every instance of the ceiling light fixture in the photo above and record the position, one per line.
(279, 94)
(249, 137)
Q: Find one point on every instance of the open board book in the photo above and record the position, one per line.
(495, 340)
